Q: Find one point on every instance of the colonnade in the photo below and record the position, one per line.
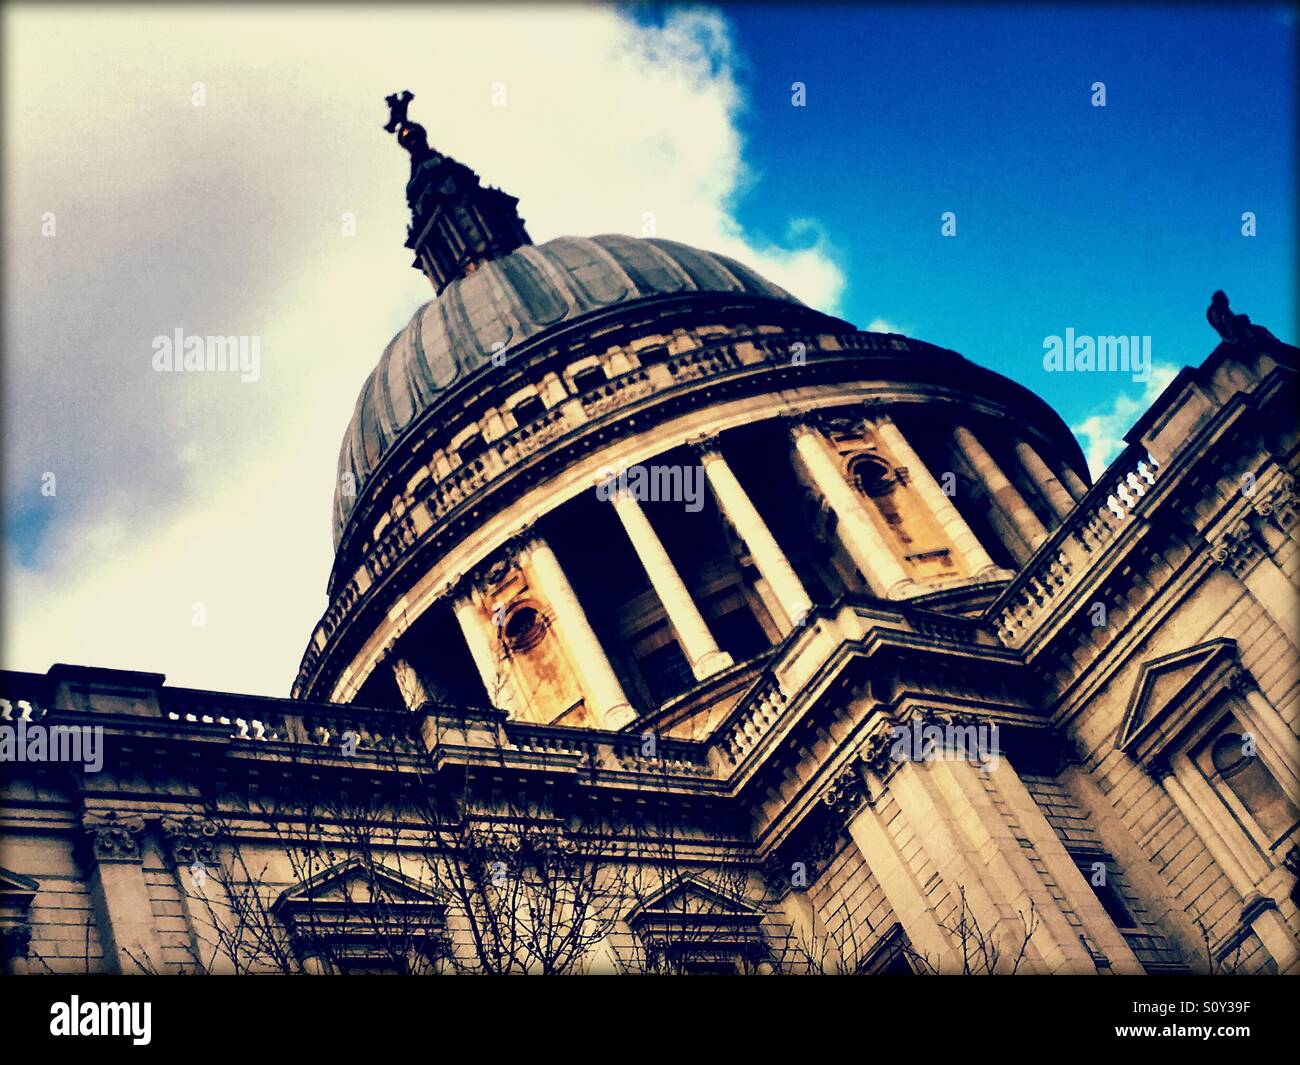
(1019, 527)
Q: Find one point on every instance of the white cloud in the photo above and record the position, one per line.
(1102, 432)
(182, 489)
(883, 325)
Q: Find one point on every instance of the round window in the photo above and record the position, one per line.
(524, 627)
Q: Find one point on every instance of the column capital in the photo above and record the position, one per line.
(847, 793)
(877, 755)
(456, 587)
(876, 409)
(1279, 503)
(705, 446)
(191, 839)
(797, 425)
(1159, 768)
(1242, 682)
(496, 566)
(1237, 549)
(112, 836)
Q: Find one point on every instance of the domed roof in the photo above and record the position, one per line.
(503, 303)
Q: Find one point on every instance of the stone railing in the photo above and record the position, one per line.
(19, 709)
(665, 758)
(464, 481)
(751, 720)
(617, 392)
(703, 362)
(248, 719)
(531, 437)
(347, 730)
(340, 607)
(541, 740)
(1094, 523)
(360, 730)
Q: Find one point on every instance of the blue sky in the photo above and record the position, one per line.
(1114, 220)
(179, 491)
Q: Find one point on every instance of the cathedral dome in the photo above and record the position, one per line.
(504, 302)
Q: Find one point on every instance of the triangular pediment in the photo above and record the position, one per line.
(16, 891)
(1170, 691)
(355, 883)
(690, 895)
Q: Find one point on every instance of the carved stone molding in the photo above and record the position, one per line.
(1238, 549)
(113, 837)
(705, 445)
(813, 846)
(191, 839)
(1278, 504)
(847, 794)
(493, 572)
(876, 754)
(1242, 682)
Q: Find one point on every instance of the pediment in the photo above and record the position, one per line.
(11, 883)
(16, 892)
(353, 882)
(1169, 694)
(691, 898)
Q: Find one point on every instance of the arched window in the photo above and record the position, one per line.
(1239, 767)
(873, 477)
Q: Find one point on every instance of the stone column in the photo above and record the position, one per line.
(605, 698)
(1259, 717)
(114, 849)
(1003, 492)
(1265, 921)
(1024, 808)
(491, 664)
(862, 540)
(941, 507)
(697, 642)
(772, 564)
(905, 891)
(1045, 480)
(960, 823)
(192, 848)
(976, 850)
(410, 684)
(1072, 482)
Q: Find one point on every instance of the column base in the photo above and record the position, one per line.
(711, 663)
(904, 589)
(618, 717)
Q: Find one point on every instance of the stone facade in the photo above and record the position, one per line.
(702, 632)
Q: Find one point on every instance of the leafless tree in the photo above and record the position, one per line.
(980, 950)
